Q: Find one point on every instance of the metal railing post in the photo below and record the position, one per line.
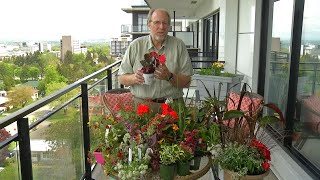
(24, 148)
(109, 73)
(86, 131)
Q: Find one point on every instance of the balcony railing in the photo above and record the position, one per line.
(63, 158)
(67, 151)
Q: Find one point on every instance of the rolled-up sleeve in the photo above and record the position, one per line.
(126, 66)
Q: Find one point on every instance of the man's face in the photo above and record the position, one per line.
(159, 26)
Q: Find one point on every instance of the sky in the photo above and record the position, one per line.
(282, 19)
(50, 20)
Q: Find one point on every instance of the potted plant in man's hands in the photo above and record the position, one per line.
(150, 62)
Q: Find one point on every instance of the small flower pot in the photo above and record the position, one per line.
(99, 157)
(167, 171)
(183, 168)
(148, 78)
(195, 163)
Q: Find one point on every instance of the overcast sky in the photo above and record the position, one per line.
(49, 20)
(282, 19)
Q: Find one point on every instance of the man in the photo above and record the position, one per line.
(171, 77)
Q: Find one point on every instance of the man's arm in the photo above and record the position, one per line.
(177, 80)
(180, 80)
(131, 79)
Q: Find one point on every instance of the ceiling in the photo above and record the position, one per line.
(183, 8)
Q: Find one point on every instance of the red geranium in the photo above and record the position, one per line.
(162, 59)
(142, 109)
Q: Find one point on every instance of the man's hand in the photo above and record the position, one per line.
(162, 72)
(131, 79)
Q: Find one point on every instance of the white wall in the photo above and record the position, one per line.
(228, 34)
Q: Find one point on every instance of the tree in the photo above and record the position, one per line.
(34, 73)
(8, 82)
(55, 86)
(20, 96)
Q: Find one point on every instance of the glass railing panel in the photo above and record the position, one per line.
(9, 160)
(57, 144)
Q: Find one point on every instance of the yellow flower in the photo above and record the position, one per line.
(161, 140)
(175, 127)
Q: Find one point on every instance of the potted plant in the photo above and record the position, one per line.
(216, 81)
(241, 124)
(149, 64)
(240, 160)
(169, 154)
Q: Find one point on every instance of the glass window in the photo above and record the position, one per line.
(278, 68)
(307, 126)
(142, 22)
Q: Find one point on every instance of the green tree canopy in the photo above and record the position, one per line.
(19, 96)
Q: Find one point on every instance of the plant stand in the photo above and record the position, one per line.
(218, 84)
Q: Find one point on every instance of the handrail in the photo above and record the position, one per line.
(40, 103)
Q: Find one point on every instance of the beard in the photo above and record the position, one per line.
(159, 38)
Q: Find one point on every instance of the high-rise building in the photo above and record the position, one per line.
(119, 45)
(68, 44)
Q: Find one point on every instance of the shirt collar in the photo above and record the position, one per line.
(150, 45)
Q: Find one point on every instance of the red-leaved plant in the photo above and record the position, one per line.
(151, 61)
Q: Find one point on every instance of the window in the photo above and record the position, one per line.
(142, 22)
(211, 36)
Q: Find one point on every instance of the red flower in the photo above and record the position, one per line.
(162, 59)
(265, 165)
(154, 54)
(142, 109)
(174, 115)
(120, 155)
(165, 106)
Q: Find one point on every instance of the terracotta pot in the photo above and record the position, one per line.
(228, 175)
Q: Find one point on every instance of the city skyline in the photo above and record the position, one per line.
(38, 20)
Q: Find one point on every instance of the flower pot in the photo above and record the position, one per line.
(219, 84)
(228, 176)
(183, 168)
(167, 171)
(99, 157)
(148, 78)
(195, 163)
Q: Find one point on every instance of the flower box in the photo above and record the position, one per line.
(218, 84)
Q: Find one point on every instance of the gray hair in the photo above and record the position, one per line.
(163, 10)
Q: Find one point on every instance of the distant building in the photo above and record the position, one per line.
(3, 101)
(68, 44)
(44, 46)
(139, 20)
(119, 45)
(34, 85)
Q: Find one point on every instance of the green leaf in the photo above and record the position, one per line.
(233, 114)
(268, 120)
